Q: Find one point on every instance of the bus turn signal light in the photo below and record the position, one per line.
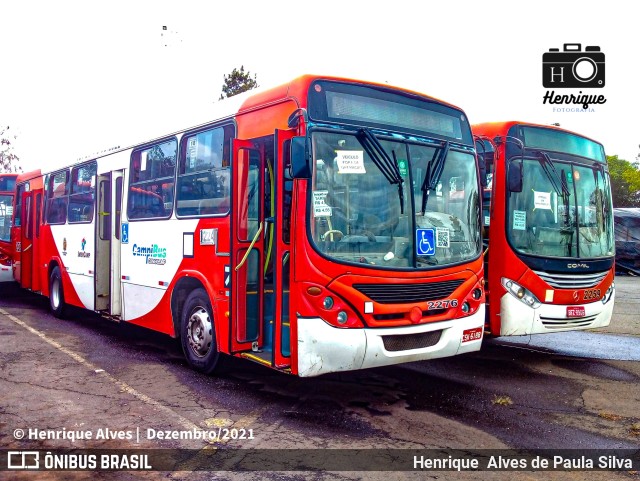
(314, 291)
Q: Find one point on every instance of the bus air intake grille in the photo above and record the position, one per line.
(572, 281)
(564, 323)
(408, 293)
(408, 342)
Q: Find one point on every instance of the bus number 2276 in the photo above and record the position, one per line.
(443, 304)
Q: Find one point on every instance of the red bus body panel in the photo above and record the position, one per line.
(505, 262)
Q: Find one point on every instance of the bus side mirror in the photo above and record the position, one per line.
(299, 158)
(514, 176)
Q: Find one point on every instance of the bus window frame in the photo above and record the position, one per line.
(181, 160)
(50, 191)
(71, 194)
(143, 147)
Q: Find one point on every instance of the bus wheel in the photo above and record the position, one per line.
(197, 332)
(56, 294)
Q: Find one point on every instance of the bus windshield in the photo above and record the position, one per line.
(361, 216)
(6, 210)
(572, 221)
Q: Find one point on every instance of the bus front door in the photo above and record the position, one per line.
(26, 240)
(247, 246)
(281, 243)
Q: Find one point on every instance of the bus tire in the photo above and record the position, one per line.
(56, 294)
(197, 332)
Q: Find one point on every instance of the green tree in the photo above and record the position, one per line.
(625, 182)
(238, 81)
(8, 159)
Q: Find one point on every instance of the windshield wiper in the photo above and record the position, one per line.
(552, 174)
(435, 167)
(388, 167)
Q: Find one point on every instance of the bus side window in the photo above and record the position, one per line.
(82, 196)
(57, 197)
(17, 212)
(151, 181)
(203, 174)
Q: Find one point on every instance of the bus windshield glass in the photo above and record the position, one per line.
(6, 210)
(574, 221)
(359, 215)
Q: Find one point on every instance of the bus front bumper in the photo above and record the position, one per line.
(518, 319)
(323, 348)
(6, 273)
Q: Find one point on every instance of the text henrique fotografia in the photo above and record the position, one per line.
(572, 68)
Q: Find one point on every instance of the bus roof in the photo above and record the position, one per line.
(251, 100)
(202, 115)
(298, 88)
(27, 176)
(491, 129)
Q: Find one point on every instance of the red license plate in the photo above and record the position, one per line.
(575, 311)
(472, 334)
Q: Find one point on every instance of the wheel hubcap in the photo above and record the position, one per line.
(55, 293)
(199, 332)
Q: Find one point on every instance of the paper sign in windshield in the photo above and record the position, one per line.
(192, 152)
(320, 207)
(350, 161)
(542, 200)
(519, 220)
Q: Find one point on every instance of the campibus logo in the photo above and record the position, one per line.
(153, 254)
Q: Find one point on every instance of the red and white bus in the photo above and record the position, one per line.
(7, 188)
(548, 219)
(323, 225)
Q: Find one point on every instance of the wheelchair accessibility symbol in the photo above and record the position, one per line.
(426, 242)
(125, 233)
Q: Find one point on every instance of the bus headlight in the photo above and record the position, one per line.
(328, 302)
(520, 293)
(609, 293)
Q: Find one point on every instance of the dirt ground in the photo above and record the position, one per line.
(86, 373)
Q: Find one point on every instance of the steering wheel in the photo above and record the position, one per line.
(332, 232)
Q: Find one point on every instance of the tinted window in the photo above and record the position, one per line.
(57, 197)
(152, 180)
(204, 175)
(82, 197)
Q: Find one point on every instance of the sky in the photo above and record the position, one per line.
(79, 77)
